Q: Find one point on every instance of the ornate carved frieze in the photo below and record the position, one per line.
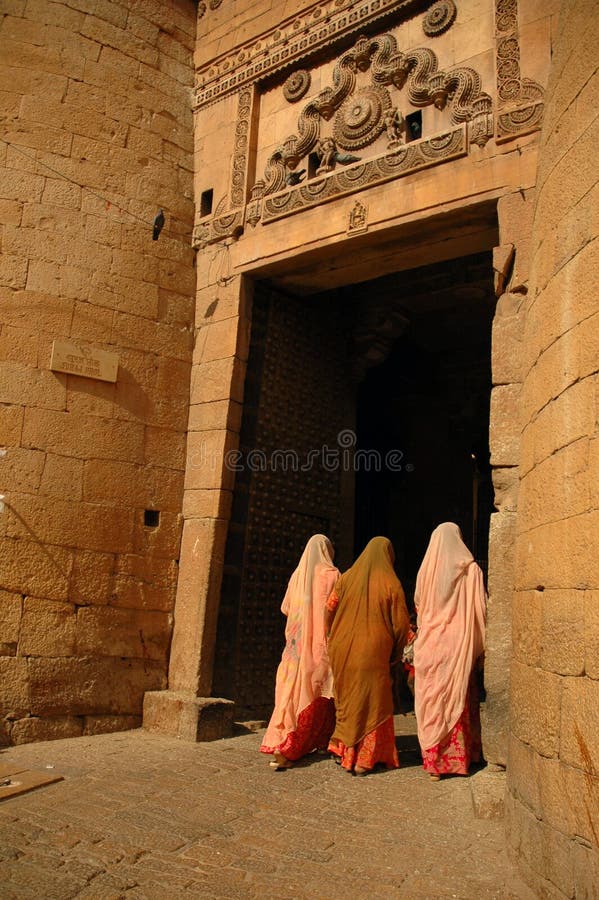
(321, 25)
(405, 159)
(439, 18)
(361, 116)
(520, 100)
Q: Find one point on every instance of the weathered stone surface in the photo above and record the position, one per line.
(11, 609)
(105, 631)
(562, 632)
(109, 724)
(47, 628)
(488, 791)
(91, 686)
(47, 729)
(536, 702)
(504, 434)
(187, 717)
(579, 743)
(14, 687)
(506, 482)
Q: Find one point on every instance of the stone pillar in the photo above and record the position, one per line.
(186, 710)
(553, 786)
(511, 263)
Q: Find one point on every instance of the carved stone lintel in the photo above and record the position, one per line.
(342, 182)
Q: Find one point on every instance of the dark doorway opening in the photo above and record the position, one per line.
(402, 361)
(425, 408)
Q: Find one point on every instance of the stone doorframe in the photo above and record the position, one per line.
(223, 320)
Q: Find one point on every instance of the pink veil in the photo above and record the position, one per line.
(304, 672)
(450, 600)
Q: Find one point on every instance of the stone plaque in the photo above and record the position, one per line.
(86, 361)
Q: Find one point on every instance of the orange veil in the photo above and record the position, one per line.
(368, 633)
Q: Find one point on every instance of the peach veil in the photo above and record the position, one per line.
(304, 672)
(450, 599)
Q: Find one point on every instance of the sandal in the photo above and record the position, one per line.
(280, 762)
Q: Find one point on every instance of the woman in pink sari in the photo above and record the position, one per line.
(304, 714)
(450, 600)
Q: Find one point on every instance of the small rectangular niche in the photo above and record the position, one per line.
(414, 126)
(206, 202)
(151, 518)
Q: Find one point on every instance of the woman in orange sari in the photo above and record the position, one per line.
(450, 600)
(368, 622)
(304, 715)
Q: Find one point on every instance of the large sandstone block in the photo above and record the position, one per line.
(508, 332)
(91, 580)
(196, 610)
(515, 213)
(14, 687)
(560, 554)
(62, 477)
(109, 724)
(209, 460)
(527, 626)
(558, 487)
(77, 687)
(47, 628)
(220, 414)
(11, 609)
(63, 523)
(506, 482)
(11, 425)
(579, 742)
(535, 707)
(504, 433)
(46, 729)
(105, 631)
(563, 632)
(21, 470)
(591, 633)
(32, 387)
(186, 717)
(145, 582)
(83, 436)
(30, 568)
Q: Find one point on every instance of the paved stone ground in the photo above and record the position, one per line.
(143, 816)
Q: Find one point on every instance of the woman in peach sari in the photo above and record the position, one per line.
(369, 626)
(304, 715)
(450, 600)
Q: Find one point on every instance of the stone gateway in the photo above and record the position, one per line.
(371, 307)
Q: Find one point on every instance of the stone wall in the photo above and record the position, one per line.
(553, 800)
(97, 135)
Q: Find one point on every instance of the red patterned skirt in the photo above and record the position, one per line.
(378, 747)
(454, 754)
(315, 725)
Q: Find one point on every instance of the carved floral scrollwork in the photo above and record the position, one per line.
(361, 117)
(520, 99)
(297, 85)
(439, 18)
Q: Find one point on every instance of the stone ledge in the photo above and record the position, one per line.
(488, 792)
(186, 717)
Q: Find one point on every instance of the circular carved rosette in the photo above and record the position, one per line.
(297, 86)
(439, 18)
(360, 118)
